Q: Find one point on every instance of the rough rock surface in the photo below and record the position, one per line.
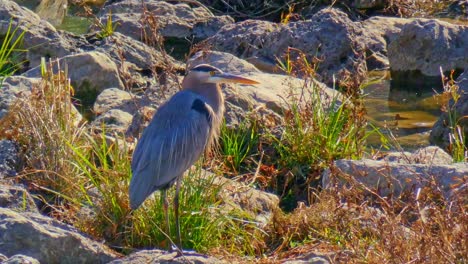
(16, 198)
(20, 259)
(41, 38)
(425, 45)
(9, 158)
(392, 179)
(114, 98)
(15, 87)
(329, 35)
(47, 240)
(88, 71)
(441, 131)
(114, 120)
(160, 256)
(172, 20)
(430, 155)
(136, 61)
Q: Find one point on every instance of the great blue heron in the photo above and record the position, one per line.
(180, 131)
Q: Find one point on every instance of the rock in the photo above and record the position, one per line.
(141, 119)
(329, 35)
(392, 179)
(378, 32)
(53, 11)
(441, 133)
(21, 259)
(369, 4)
(222, 60)
(41, 38)
(237, 196)
(15, 87)
(47, 240)
(160, 256)
(135, 58)
(115, 120)
(311, 259)
(9, 158)
(89, 72)
(431, 156)
(426, 45)
(16, 198)
(114, 98)
(173, 20)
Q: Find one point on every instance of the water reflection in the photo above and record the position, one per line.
(407, 112)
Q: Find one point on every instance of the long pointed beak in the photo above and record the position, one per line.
(231, 78)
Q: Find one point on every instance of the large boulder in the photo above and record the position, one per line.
(114, 98)
(41, 38)
(377, 34)
(391, 179)
(137, 61)
(443, 132)
(172, 20)
(89, 72)
(428, 45)
(329, 36)
(47, 240)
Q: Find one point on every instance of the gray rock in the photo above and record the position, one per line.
(441, 133)
(115, 120)
(426, 45)
(41, 38)
(369, 4)
(15, 87)
(160, 256)
(173, 20)
(135, 58)
(16, 198)
(378, 32)
(114, 98)
(387, 178)
(236, 196)
(88, 71)
(21, 259)
(329, 35)
(53, 11)
(9, 158)
(431, 156)
(47, 240)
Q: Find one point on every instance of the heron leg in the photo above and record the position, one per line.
(166, 215)
(176, 211)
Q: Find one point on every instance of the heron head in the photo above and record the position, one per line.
(209, 74)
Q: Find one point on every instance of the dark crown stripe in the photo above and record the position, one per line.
(204, 68)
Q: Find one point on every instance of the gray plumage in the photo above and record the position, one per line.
(180, 131)
(172, 143)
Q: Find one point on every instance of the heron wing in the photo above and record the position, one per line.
(173, 141)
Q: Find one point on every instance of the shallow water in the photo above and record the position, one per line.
(406, 112)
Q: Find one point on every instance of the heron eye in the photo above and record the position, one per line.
(212, 73)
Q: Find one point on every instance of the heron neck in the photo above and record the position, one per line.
(211, 92)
